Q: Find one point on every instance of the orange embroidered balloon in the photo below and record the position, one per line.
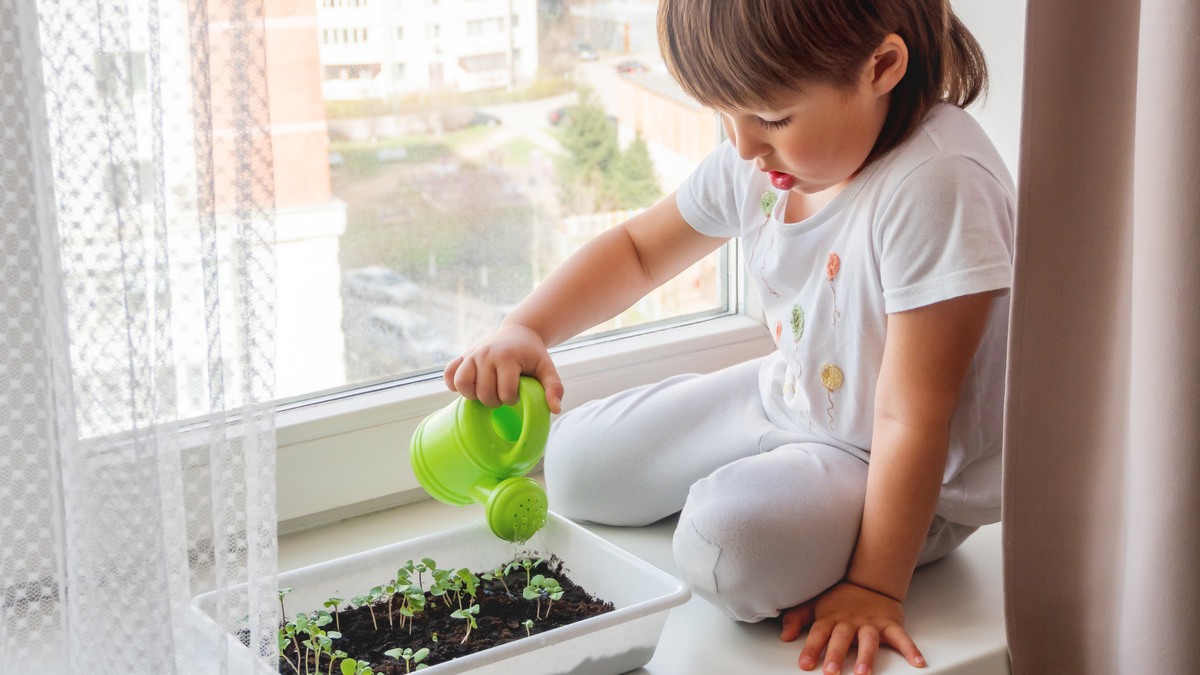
(832, 265)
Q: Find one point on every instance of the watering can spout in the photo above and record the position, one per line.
(468, 452)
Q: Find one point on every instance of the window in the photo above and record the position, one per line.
(475, 64)
(325, 36)
(486, 26)
(355, 71)
(130, 184)
(456, 206)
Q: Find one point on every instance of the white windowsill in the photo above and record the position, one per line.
(954, 609)
(348, 456)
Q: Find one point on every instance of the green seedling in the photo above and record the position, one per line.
(498, 573)
(337, 654)
(470, 582)
(334, 602)
(282, 592)
(352, 667)
(469, 615)
(442, 584)
(367, 600)
(542, 587)
(426, 565)
(389, 591)
(284, 641)
(528, 624)
(433, 637)
(524, 564)
(409, 657)
(414, 601)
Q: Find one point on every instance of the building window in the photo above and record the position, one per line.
(516, 55)
(482, 62)
(325, 36)
(433, 30)
(485, 26)
(354, 71)
(397, 71)
(399, 32)
(364, 35)
(516, 20)
(346, 36)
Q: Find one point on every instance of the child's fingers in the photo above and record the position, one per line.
(448, 373)
(547, 374)
(485, 385)
(814, 643)
(868, 647)
(508, 382)
(794, 621)
(897, 637)
(464, 379)
(839, 644)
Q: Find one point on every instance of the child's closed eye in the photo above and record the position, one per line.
(776, 124)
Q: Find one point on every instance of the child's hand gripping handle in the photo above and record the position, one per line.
(489, 372)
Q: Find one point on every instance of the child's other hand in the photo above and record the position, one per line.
(491, 369)
(843, 615)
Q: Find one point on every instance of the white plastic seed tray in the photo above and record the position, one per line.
(608, 644)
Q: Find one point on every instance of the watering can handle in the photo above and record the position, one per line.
(535, 416)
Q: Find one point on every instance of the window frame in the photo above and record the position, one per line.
(345, 454)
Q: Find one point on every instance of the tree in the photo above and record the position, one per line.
(633, 176)
(590, 142)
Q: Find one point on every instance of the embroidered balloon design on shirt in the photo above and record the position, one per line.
(767, 204)
(832, 379)
(797, 332)
(778, 331)
(832, 264)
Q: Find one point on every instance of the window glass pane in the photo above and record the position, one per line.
(460, 165)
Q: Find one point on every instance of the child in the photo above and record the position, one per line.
(876, 220)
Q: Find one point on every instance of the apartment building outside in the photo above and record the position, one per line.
(380, 49)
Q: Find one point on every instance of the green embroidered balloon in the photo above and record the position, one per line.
(797, 322)
(767, 202)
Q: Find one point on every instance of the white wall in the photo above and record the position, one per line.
(999, 25)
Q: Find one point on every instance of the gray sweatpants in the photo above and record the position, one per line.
(769, 517)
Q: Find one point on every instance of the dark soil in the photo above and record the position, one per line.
(499, 621)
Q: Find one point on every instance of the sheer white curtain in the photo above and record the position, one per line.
(136, 337)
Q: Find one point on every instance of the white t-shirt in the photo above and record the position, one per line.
(929, 221)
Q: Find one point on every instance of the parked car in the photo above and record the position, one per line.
(585, 51)
(407, 336)
(380, 285)
(480, 118)
(631, 67)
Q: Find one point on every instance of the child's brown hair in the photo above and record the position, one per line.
(740, 54)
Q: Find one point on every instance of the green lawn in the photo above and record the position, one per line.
(516, 152)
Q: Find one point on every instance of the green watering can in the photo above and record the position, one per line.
(468, 452)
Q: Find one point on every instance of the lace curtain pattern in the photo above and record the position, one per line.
(137, 325)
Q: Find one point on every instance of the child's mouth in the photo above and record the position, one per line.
(782, 181)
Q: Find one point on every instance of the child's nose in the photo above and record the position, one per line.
(749, 144)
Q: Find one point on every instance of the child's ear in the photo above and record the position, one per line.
(888, 64)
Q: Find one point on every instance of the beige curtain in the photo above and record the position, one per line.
(1102, 465)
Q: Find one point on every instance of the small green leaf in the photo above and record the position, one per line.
(394, 653)
(285, 591)
(420, 655)
(349, 667)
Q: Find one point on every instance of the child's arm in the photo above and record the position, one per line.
(925, 361)
(601, 280)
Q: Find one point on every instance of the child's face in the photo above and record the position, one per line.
(819, 139)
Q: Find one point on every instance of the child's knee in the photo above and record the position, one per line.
(755, 555)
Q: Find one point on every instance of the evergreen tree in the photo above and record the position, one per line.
(633, 177)
(590, 142)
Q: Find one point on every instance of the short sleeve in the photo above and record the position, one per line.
(708, 199)
(946, 232)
